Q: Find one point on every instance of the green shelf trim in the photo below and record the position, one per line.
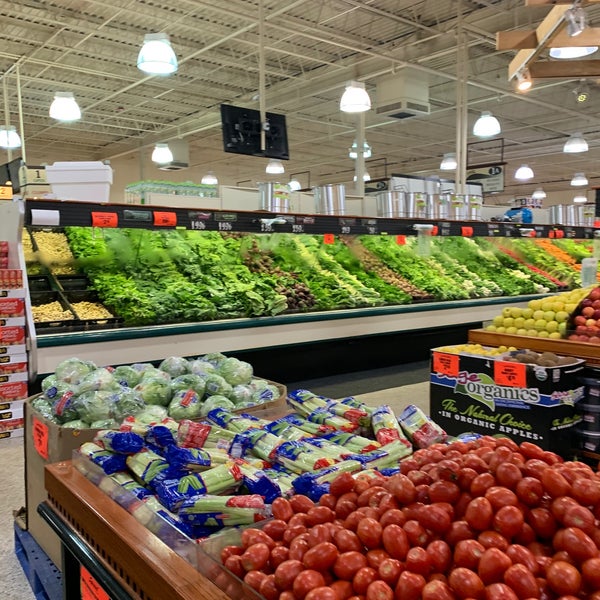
(155, 331)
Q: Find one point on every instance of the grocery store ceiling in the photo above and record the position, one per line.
(311, 48)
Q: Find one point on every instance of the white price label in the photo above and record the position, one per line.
(224, 226)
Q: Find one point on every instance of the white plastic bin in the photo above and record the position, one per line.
(87, 181)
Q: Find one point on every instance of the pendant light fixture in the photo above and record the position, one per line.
(64, 107)
(524, 81)
(575, 144)
(162, 154)
(294, 185)
(9, 138)
(449, 162)
(487, 125)
(524, 173)
(353, 153)
(572, 52)
(576, 21)
(539, 194)
(355, 98)
(579, 180)
(156, 56)
(209, 179)
(580, 199)
(275, 167)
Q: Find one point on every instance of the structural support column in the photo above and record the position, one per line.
(359, 168)
(462, 115)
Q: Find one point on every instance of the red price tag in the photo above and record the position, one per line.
(559, 234)
(551, 234)
(446, 364)
(165, 219)
(40, 434)
(401, 240)
(328, 238)
(510, 374)
(104, 219)
(90, 588)
(597, 223)
(466, 231)
(434, 231)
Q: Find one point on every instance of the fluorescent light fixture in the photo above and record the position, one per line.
(209, 179)
(275, 167)
(366, 177)
(294, 185)
(355, 98)
(539, 194)
(487, 125)
(580, 199)
(156, 56)
(449, 162)
(576, 22)
(162, 154)
(524, 173)
(575, 144)
(64, 107)
(572, 52)
(524, 81)
(579, 180)
(9, 138)
(353, 153)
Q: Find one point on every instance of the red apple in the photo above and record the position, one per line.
(593, 330)
(588, 311)
(596, 314)
(594, 340)
(585, 303)
(590, 322)
(573, 337)
(596, 304)
(594, 294)
(581, 329)
(579, 320)
(583, 338)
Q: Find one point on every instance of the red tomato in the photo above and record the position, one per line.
(306, 581)
(522, 581)
(465, 478)
(529, 491)
(292, 533)
(409, 586)
(386, 502)
(492, 565)
(343, 483)
(525, 536)
(436, 518)
(523, 556)
(581, 517)
(479, 513)
(418, 561)
(275, 528)
(376, 557)
(279, 554)
(379, 590)
(319, 514)
(467, 553)
(348, 563)
(389, 570)
(492, 539)
(416, 533)
(282, 509)
(459, 530)
(372, 496)
(321, 557)
(560, 506)
(466, 583)
(402, 488)
(586, 491)
(563, 578)
(328, 500)
(392, 516)
(343, 589)
(323, 593)
(300, 503)
(234, 564)
(499, 591)
(363, 578)
(481, 483)
(529, 450)
(444, 491)
(321, 532)
(256, 557)
(369, 531)
(344, 508)
(268, 588)
(298, 548)
(252, 536)
(508, 475)
(508, 521)
(578, 544)
(347, 540)
(440, 555)
(437, 590)
(286, 572)
(542, 522)
(254, 579)
(500, 496)
(590, 570)
(555, 484)
(353, 519)
(229, 551)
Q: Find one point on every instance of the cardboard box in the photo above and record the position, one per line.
(13, 363)
(12, 336)
(13, 433)
(8, 425)
(491, 396)
(12, 307)
(13, 390)
(18, 350)
(11, 410)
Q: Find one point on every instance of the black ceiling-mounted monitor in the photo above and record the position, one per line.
(10, 172)
(241, 132)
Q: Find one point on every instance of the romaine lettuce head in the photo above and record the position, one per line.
(73, 370)
(95, 405)
(154, 390)
(216, 385)
(100, 379)
(175, 366)
(127, 403)
(49, 381)
(64, 408)
(127, 375)
(151, 414)
(215, 402)
(104, 424)
(186, 404)
(241, 394)
(188, 382)
(235, 372)
(202, 368)
(216, 358)
(76, 424)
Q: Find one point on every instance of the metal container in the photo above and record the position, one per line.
(558, 215)
(574, 214)
(418, 205)
(391, 204)
(330, 199)
(458, 207)
(274, 197)
(588, 215)
(474, 205)
(440, 205)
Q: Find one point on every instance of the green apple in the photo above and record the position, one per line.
(516, 312)
(555, 335)
(549, 315)
(490, 328)
(511, 330)
(527, 313)
(506, 311)
(508, 322)
(538, 314)
(552, 327)
(522, 331)
(498, 320)
(561, 316)
(529, 323)
(519, 322)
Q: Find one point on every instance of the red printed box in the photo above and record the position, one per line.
(15, 409)
(11, 425)
(11, 336)
(11, 278)
(8, 366)
(12, 293)
(13, 377)
(13, 391)
(13, 433)
(12, 307)
(13, 352)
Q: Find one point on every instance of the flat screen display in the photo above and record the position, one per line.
(241, 132)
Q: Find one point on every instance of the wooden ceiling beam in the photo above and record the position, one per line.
(570, 69)
(528, 39)
(555, 2)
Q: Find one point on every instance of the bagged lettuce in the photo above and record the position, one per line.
(95, 406)
(155, 374)
(216, 385)
(216, 401)
(100, 379)
(151, 414)
(127, 403)
(186, 404)
(154, 390)
(188, 382)
(49, 382)
(76, 424)
(202, 368)
(215, 358)
(64, 408)
(127, 375)
(175, 366)
(104, 424)
(73, 370)
(242, 394)
(43, 406)
(235, 372)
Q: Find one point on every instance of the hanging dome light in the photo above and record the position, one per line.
(539, 194)
(9, 138)
(579, 180)
(487, 125)
(353, 153)
(294, 185)
(524, 81)
(355, 98)
(209, 179)
(575, 144)
(449, 162)
(64, 107)
(580, 199)
(162, 154)
(275, 167)
(524, 173)
(156, 56)
(572, 52)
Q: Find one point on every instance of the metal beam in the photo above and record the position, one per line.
(528, 39)
(555, 2)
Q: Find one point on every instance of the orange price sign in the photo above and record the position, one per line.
(446, 364)
(104, 219)
(466, 231)
(401, 240)
(434, 231)
(40, 434)
(165, 219)
(90, 588)
(510, 374)
(328, 238)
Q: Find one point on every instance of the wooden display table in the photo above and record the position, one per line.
(126, 559)
(588, 352)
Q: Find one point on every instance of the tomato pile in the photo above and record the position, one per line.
(484, 520)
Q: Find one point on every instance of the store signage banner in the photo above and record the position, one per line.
(491, 178)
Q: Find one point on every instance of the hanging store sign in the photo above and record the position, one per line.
(491, 178)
